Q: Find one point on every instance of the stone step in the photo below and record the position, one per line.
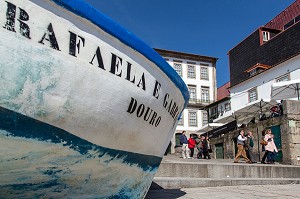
(188, 182)
(226, 170)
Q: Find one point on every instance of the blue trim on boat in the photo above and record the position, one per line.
(19, 125)
(88, 12)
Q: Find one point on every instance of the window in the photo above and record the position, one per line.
(192, 118)
(178, 69)
(191, 71)
(283, 78)
(204, 118)
(289, 24)
(205, 94)
(227, 106)
(266, 35)
(213, 113)
(204, 72)
(252, 95)
(297, 19)
(214, 110)
(181, 121)
(192, 91)
(256, 71)
(221, 110)
(292, 22)
(177, 139)
(257, 68)
(253, 72)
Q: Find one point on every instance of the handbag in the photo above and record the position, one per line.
(263, 142)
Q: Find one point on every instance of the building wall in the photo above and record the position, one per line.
(281, 56)
(263, 82)
(222, 107)
(198, 83)
(285, 16)
(290, 135)
(223, 91)
(290, 131)
(249, 52)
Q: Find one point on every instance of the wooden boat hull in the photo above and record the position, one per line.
(86, 108)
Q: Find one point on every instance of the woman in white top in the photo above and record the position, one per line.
(270, 148)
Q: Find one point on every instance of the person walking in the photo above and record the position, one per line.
(184, 143)
(191, 145)
(263, 133)
(249, 144)
(205, 147)
(270, 148)
(199, 147)
(241, 148)
(209, 150)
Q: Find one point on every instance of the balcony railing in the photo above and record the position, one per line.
(195, 101)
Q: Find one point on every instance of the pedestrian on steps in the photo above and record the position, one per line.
(241, 148)
(184, 143)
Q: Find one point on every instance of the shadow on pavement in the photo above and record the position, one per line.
(164, 194)
(155, 186)
(157, 192)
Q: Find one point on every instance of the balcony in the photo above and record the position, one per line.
(200, 103)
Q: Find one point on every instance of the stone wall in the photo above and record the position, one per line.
(292, 127)
(290, 135)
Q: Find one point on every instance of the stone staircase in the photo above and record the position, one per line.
(175, 173)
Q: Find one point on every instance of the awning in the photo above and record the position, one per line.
(254, 109)
(222, 129)
(209, 127)
(286, 90)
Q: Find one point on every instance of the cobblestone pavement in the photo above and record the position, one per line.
(291, 191)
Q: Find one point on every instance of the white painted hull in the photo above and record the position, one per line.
(83, 112)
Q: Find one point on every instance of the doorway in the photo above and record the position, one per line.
(219, 151)
(277, 139)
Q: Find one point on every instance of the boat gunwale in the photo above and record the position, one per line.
(85, 10)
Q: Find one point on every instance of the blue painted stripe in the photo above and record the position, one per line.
(88, 12)
(19, 125)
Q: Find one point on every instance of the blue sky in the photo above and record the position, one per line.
(204, 27)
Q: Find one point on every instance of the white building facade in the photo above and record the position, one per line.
(199, 74)
(268, 55)
(260, 86)
(262, 67)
